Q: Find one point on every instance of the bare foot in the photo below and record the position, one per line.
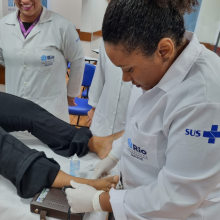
(103, 145)
(104, 184)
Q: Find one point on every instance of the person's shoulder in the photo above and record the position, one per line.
(208, 66)
(7, 17)
(59, 20)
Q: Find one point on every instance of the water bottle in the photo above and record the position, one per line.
(74, 166)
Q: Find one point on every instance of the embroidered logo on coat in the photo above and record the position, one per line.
(211, 135)
(47, 60)
(136, 152)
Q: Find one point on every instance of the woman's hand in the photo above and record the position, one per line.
(90, 117)
(104, 184)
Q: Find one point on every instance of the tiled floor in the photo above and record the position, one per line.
(82, 121)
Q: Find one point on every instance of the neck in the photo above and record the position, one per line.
(29, 19)
(181, 48)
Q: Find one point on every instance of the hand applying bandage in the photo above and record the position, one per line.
(104, 166)
(83, 198)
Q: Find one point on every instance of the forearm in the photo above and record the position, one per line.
(104, 200)
(62, 179)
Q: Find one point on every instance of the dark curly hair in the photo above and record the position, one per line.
(141, 24)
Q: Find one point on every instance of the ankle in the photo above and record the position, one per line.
(92, 144)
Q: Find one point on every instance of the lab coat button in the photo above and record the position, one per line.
(23, 50)
(25, 97)
(25, 83)
(113, 113)
(25, 66)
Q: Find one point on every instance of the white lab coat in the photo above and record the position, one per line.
(109, 95)
(170, 155)
(30, 77)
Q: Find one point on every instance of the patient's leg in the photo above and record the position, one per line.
(31, 171)
(105, 184)
(17, 114)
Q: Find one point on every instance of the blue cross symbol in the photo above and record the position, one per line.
(129, 143)
(214, 133)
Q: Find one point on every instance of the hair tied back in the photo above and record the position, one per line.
(183, 6)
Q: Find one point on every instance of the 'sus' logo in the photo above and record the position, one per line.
(211, 135)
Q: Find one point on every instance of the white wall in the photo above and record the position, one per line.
(92, 15)
(69, 9)
(2, 88)
(208, 25)
(1, 9)
(87, 48)
(87, 15)
(99, 12)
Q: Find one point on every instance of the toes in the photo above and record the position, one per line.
(116, 179)
(113, 186)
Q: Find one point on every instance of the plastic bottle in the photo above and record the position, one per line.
(74, 166)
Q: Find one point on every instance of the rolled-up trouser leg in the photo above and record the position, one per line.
(29, 170)
(17, 114)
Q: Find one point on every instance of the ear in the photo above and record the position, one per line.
(165, 49)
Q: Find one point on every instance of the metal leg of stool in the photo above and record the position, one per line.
(111, 216)
(78, 120)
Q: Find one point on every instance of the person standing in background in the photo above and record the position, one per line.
(108, 96)
(35, 45)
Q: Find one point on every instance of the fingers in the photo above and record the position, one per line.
(89, 120)
(89, 123)
(68, 191)
(114, 181)
(75, 185)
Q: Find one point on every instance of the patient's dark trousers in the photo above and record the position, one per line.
(29, 170)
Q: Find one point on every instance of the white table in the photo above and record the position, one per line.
(89, 59)
(12, 207)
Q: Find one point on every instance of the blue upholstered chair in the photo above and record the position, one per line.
(81, 109)
(87, 79)
(85, 93)
(82, 104)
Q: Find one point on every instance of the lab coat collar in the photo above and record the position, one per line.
(45, 17)
(181, 66)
